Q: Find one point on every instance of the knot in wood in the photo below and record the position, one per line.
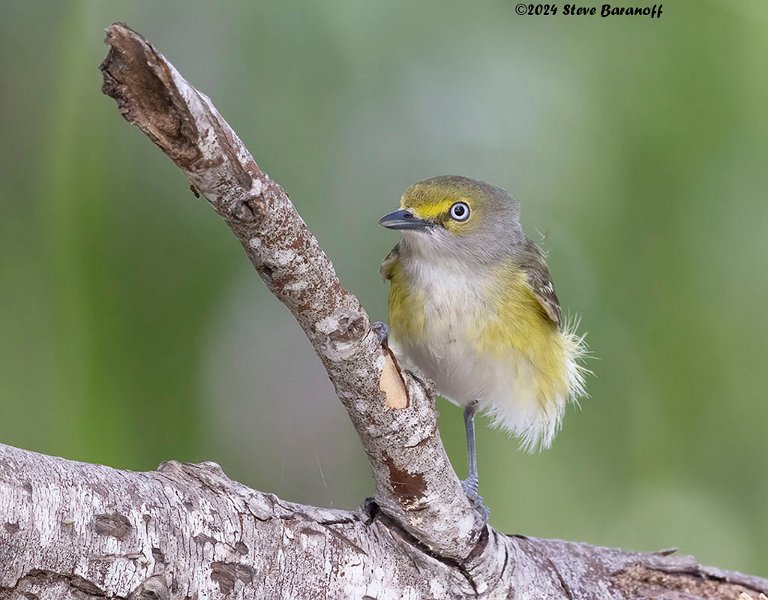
(226, 574)
(343, 331)
(154, 588)
(248, 210)
(115, 525)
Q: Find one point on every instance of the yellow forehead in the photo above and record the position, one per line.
(433, 198)
(429, 208)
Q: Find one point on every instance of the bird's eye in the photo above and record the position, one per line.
(459, 211)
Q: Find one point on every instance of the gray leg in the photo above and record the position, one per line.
(470, 484)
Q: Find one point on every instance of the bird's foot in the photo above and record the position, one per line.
(475, 499)
(382, 331)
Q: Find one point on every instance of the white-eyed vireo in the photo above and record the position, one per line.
(472, 306)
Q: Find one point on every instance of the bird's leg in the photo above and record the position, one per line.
(470, 484)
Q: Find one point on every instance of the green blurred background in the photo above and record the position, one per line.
(133, 330)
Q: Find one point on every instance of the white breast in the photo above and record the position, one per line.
(452, 304)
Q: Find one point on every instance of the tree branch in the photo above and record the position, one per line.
(71, 529)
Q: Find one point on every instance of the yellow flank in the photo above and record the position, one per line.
(514, 326)
(406, 306)
(518, 322)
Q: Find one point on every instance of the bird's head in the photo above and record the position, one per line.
(457, 217)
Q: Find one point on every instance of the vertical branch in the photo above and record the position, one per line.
(392, 413)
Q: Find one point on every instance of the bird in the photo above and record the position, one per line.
(472, 307)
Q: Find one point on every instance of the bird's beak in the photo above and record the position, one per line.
(403, 219)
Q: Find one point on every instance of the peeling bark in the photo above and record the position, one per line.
(74, 530)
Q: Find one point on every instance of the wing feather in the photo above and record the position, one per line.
(389, 262)
(535, 267)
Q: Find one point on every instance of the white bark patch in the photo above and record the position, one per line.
(256, 188)
(283, 258)
(259, 507)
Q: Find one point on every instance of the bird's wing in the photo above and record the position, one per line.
(389, 262)
(536, 270)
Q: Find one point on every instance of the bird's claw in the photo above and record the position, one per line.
(475, 499)
(382, 331)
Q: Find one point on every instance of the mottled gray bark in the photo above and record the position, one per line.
(75, 530)
(72, 530)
